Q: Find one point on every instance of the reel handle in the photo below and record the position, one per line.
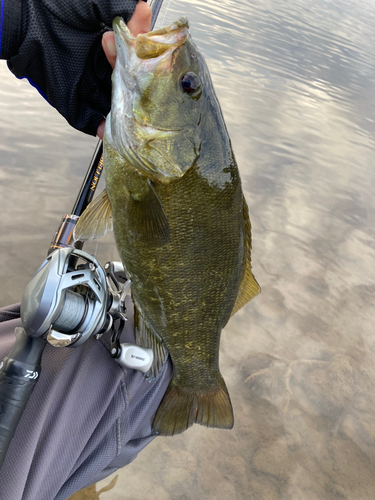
(19, 372)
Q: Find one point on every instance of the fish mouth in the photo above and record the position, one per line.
(155, 43)
(156, 130)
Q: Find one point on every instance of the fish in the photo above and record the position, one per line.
(181, 223)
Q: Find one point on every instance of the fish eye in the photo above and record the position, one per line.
(190, 83)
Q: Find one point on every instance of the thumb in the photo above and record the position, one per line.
(140, 22)
(109, 47)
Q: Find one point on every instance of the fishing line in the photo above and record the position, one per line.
(165, 13)
(96, 247)
(76, 306)
(97, 222)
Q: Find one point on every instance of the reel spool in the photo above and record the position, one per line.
(67, 303)
(70, 298)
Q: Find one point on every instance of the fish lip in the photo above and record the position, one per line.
(145, 125)
(181, 23)
(120, 28)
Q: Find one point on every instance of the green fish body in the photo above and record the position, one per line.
(180, 219)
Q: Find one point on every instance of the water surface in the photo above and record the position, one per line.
(296, 82)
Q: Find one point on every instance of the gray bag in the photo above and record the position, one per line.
(86, 418)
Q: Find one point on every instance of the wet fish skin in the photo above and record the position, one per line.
(179, 216)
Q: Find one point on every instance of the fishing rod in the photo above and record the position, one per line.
(70, 298)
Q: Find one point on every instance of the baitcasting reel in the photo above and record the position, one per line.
(70, 298)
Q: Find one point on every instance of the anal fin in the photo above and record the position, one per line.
(146, 336)
(249, 286)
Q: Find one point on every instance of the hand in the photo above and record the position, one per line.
(56, 45)
(140, 22)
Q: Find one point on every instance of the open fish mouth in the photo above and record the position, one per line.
(155, 43)
(151, 52)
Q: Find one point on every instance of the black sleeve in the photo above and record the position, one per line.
(56, 45)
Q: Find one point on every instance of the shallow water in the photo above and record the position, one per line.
(296, 82)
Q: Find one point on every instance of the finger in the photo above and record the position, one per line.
(100, 131)
(140, 22)
(109, 47)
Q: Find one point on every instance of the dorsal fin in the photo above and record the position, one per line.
(249, 286)
(96, 220)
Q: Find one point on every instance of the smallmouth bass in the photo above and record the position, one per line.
(180, 220)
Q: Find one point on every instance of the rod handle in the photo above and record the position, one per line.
(19, 373)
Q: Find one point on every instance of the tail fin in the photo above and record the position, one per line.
(182, 407)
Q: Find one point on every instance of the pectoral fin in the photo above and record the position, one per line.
(148, 216)
(147, 337)
(249, 286)
(96, 220)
